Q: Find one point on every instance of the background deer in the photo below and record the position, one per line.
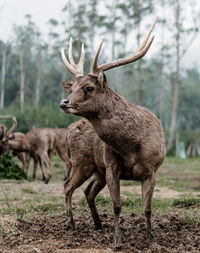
(41, 144)
(5, 136)
(133, 136)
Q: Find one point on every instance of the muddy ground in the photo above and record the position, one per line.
(51, 234)
(42, 232)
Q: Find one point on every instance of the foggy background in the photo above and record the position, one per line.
(166, 80)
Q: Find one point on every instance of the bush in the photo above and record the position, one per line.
(9, 169)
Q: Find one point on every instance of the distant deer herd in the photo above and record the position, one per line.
(115, 140)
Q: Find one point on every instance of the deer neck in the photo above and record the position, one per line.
(114, 120)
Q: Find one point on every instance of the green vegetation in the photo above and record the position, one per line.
(2, 231)
(28, 190)
(179, 174)
(30, 199)
(9, 169)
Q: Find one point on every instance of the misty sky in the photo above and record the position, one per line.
(13, 12)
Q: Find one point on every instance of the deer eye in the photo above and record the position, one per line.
(90, 89)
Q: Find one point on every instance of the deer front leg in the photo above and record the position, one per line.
(94, 187)
(148, 185)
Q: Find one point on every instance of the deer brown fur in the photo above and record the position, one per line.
(42, 143)
(133, 136)
(85, 150)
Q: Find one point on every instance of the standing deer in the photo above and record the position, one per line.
(133, 136)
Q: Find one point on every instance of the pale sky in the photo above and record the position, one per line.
(13, 12)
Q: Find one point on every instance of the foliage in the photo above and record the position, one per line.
(117, 22)
(48, 115)
(9, 169)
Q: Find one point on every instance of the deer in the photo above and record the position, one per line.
(133, 136)
(42, 143)
(5, 135)
(85, 152)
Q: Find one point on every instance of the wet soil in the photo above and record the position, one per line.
(171, 233)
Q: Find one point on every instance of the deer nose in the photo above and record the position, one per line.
(64, 103)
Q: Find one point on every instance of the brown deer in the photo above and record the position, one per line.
(85, 150)
(134, 139)
(42, 143)
(5, 136)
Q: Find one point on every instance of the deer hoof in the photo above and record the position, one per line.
(47, 180)
(98, 225)
(150, 235)
(70, 225)
(117, 240)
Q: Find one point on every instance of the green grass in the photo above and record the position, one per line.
(177, 174)
(187, 202)
(180, 174)
(29, 190)
(2, 231)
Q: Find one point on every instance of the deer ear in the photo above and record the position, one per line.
(102, 79)
(67, 85)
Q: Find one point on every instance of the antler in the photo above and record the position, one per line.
(12, 128)
(75, 69)
(142, 50)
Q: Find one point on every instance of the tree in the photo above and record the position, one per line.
(180, 50)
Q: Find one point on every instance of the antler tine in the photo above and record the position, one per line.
(75, 69)
(71, 59)
(148, 35)
(82, 57)
(94, 65)
(136, 56)
(67, 64)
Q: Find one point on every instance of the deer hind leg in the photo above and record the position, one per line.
(35, 163)
(76, 179)
(148, 185)
(47, 166)
(112, 180)
(94, 187)
(43, 169)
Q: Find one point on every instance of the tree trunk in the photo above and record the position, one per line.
(113, 18)
(38, 81)
(3, 73)
(22, 80)
(139, 68)
(160, 109)
(175, 82)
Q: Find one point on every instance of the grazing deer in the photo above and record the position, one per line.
(134, 139)
(5, 136)
(42, 143)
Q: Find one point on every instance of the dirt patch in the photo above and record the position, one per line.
(172, 233)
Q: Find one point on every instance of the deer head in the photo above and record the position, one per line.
(9, 134)
(87, 93)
